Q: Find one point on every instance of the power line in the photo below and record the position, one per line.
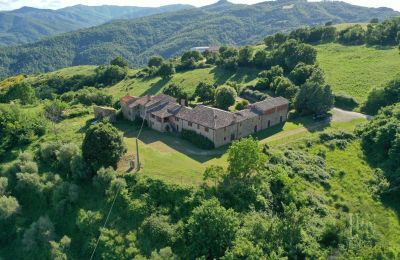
(116, 194)
(105, 223)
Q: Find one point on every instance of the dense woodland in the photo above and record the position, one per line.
(27, 24)
(171, 34)
(267, 203)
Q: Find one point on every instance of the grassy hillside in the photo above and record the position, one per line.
(28, 24)
(355, 70)
(171, 34)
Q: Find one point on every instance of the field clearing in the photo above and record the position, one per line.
(352, 189)
(355, 70)
(187, 79)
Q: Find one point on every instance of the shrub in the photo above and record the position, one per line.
(345, 102)
(242, 104)
(197, 139)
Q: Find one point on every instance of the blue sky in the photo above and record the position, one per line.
(54, 4)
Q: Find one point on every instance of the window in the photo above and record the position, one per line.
(224, 138)
(206, 129)
(176, 119)
(198, 126)
(190, 124)
(153, 116)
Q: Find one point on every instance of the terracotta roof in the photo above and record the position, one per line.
(140, 101)
(127, 99)
(269, 103)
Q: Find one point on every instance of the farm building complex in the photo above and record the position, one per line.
(163, 113)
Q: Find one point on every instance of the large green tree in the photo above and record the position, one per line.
(225, 97)
(205, 92)
(210, 230)
(102, 146)
(314, 98)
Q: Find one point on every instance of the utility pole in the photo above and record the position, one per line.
(137, 155)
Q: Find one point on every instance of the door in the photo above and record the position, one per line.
(255, 129)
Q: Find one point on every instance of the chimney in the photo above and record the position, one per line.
(183, 102)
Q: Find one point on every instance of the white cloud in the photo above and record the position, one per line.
(54, 4)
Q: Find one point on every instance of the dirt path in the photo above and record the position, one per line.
(340, 115)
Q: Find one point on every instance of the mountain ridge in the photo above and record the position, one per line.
(29, 24)
(170, 34)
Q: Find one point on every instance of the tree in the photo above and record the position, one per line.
(120, 62)
(114, 245)
(22, 92)
(156, 232)
(53, 111)
(37, 237)
(262, 59)
(191, 55)
(244, 249)
(245, 56)
(102, 146)
(285, 88)
(381, 97)
(9, 208)
(110, 75)
(59, 250)
(214, 173)
(225, 97)
(314, 98)
(380, 138)
(210, 230)
(176, 91)
(205, 92)
(166, 70)
(301, 73)
(292, 53)
(353, 35)
(244, 157)
(155, 61)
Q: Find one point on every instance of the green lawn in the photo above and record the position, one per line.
(355, 70)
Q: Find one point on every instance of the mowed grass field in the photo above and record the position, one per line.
(355, 70)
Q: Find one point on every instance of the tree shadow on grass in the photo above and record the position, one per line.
(155, 87)
(242, 75)
(150, 137)
(389, 199)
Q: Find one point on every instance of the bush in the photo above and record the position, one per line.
(198, 140)
(253, 95)
(242, 105)
(345, 102)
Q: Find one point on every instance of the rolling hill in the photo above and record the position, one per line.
(27, 25)
(172, 33)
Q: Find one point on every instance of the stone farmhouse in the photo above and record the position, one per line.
(163, 113)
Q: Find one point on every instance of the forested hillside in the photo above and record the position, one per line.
(305, 189)
(171, 34)
(28, 24)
